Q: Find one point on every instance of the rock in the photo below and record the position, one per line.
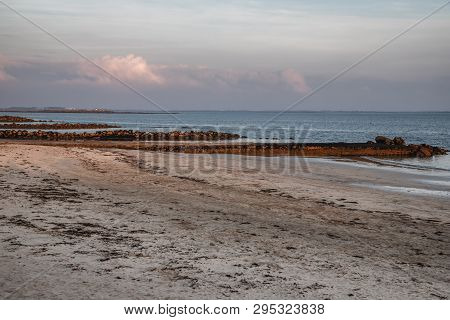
(384, 140)
(55, 126)
(399, 141)
(118, 135)
(385, 146)
(14, 119)
(439, 151)
(425, 151)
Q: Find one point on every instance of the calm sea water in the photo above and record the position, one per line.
(419, 127)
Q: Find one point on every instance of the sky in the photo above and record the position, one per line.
(225, 55)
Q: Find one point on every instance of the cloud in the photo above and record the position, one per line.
(295, 80)
(4, 76)
(4, 63)
(201, 76)
(136, 70)
(128, 68)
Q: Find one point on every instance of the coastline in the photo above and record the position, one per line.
(237, 228)
(222, 143)
(82, 111)
(173, 141)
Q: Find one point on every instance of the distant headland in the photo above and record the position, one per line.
(75, 110)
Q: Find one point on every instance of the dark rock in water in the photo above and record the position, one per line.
(56, 126)
(399, 141)
(384, 147)
(384, 140)
(370, 142)
(439, 151)
(425, 151)
(15, 119)
(118, 135)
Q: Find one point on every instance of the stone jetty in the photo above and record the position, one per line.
(56, 126)
(15, 119)
(173, 142)
(117, 135)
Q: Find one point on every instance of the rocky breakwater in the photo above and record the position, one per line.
(382, 147)
(419, 150)
(117, 135)
(56, 126)
(15, 119)
(373, 149)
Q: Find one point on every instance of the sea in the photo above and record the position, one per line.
(415, 127)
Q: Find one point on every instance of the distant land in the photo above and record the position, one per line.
(109, 111)
(74, 110)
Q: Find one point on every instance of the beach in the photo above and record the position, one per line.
(95, 223)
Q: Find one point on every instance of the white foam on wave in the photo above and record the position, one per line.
(415, 191)
(389, 165)
(436, 182)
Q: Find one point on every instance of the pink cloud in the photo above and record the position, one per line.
(194, 76)
(136, 70)
(295, 80)
(4, 75)
(127, 68)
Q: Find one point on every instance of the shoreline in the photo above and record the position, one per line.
(86, 111)
(209, 145)
(134, 139)
(115, 223)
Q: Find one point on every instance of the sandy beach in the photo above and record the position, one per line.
(91, 223)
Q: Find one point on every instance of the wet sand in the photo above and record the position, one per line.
(89, 223)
